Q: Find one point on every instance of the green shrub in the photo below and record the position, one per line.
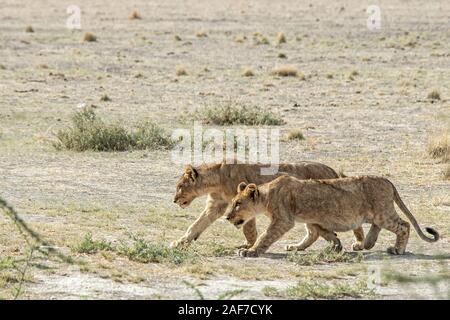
(88, 132)
(89, 246)
(225, 115)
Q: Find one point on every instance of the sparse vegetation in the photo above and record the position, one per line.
(281, 38)
(29, 29)
(181, 71)
(295, 134)
(143, 251)
(434, 95)
(282, 55)
(447, 173)
(201, 34)
(105, 98)
(329, 76)
(248, 72)
(89, 37)
(224, 115)
(325, 256)
(90, 246)
(439, 146)
(315, 289)
(285, 71)
(88, 132)
(134, 15)
(260, 39)
(177, 38)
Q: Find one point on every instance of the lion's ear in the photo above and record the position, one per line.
(252, 191)
(241, 187)
(191, 172)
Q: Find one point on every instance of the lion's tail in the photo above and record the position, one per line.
(413, 220)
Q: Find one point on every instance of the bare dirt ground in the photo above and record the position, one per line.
(362, 107)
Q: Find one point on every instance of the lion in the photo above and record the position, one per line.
(327, 206)
(219, 182)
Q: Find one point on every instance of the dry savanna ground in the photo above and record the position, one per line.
(361, 101)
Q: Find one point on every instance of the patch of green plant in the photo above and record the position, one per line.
(223, 296)
(143, 251)
(89, 132)
(314, 289)
(271, 292)
(226, 115)
(90, 246)
(325, 256)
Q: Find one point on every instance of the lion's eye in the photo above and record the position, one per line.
(237, 206)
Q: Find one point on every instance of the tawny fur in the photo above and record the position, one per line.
(219, 182)
(327, 206)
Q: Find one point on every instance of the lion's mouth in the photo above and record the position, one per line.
(239, 223)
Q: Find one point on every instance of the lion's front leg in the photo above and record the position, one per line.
(213, 211)
(276, 230)
(250, 233)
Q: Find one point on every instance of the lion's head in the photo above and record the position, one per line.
(187, 187)
(243, 205)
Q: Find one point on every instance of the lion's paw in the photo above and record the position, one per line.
(247, 253)
(357, 246)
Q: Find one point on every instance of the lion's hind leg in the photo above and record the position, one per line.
(331, 237)
(398, 226)
(371, 237)
(359, 237)
(311, 237)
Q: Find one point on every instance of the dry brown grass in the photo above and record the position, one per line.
(29, 29)
(248, 72)
(201, 34)
(240, 39)
(434, 95)
(281, 38)
(285, 71)
(181, 71)
(134, 15)
(295, 134)
(439, 146)
(447, 173)
(89, 37)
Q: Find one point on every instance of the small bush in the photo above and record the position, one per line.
(134, 15)
(285, 71)
(105, 98)
(146, 252)
(89, 37)
(295, 134)
(90, 246)
(281, 38)
(325, 256)
(226, 115)
(248, 72)
(439, 147)
(201, 34)
(29, 29)
(88, 132)
(447, 173)
(181, 71)
(434, 95)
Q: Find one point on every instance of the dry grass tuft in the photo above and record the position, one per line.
(177, 38)
(105, 98)
(285, 71)
(434, 95)
(230, 114)
(329, 76)
(447, 173)
(439, 147)
(248, 72)
(281, 38)
(29, 29)
(282, 56)
(240, 39)
(181, 71)
(201, 34)
(134, 15)
(295, 134)
(89, 37)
